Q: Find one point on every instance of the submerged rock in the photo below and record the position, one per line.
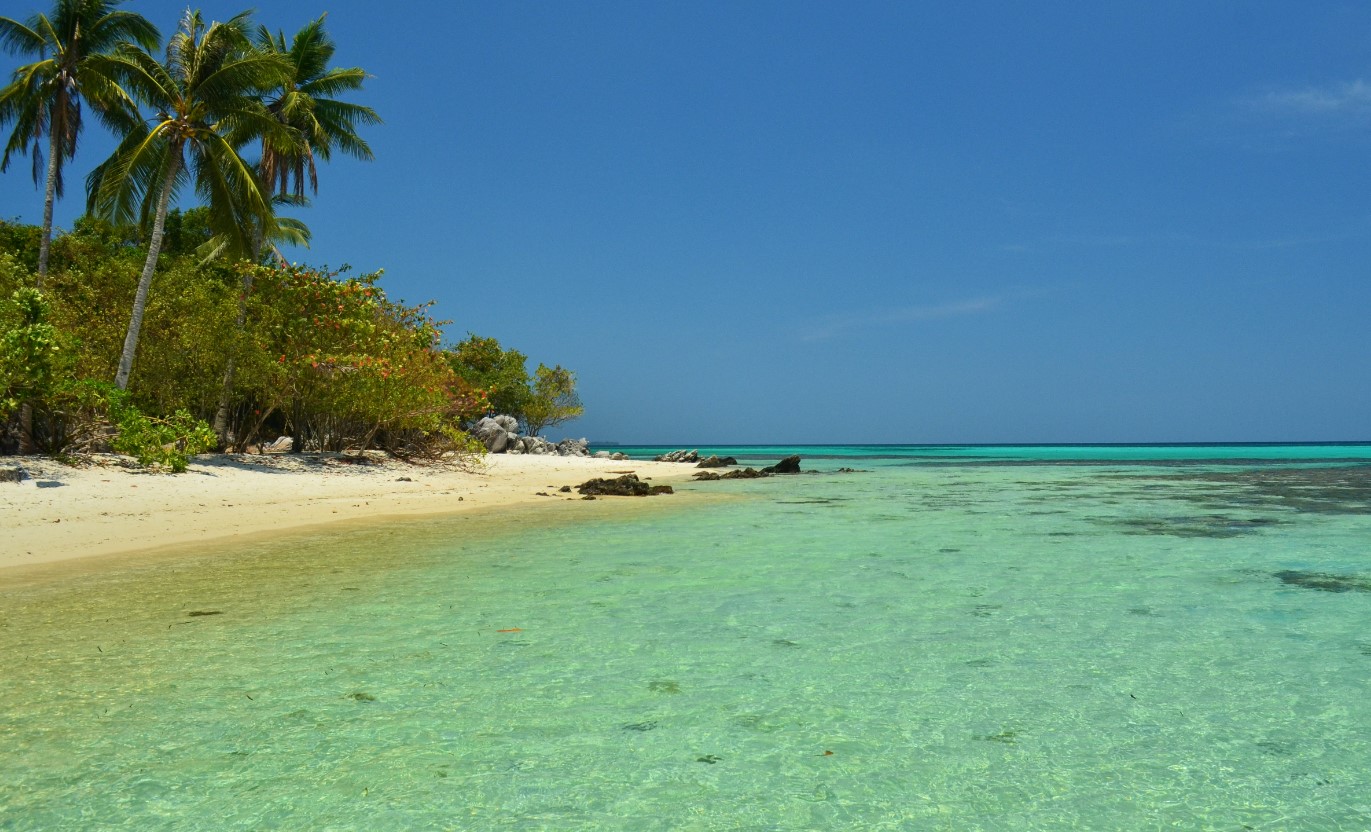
(627, 485)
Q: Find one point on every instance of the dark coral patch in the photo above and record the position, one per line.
(1324, 581)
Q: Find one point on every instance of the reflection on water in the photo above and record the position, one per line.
(951, 647)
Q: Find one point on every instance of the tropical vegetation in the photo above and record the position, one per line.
(222, 328)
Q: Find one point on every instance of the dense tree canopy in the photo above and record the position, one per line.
(265, 348)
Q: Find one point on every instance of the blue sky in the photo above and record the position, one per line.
(872, 221)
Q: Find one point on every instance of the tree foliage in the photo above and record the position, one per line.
(325, 357)
(207, 90)
(552, 399)
(483, 364)
(346, 366)
(267, 350)
(29, 349)
(547, 398)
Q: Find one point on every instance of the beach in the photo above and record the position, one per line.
(107, 506)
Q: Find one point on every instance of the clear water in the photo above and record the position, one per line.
(961, 644)
(1265, 452)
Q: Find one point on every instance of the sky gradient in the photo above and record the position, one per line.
(794, 222)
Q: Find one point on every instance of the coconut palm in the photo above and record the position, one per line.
(308, 102)
(207, 89)
(43, 100)
(305, 102)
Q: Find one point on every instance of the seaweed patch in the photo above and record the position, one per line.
(640, 726)
(1329, 489)
(1324, 581)
(1207, 525)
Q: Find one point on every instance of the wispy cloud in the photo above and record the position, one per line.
(1277, 118)
(1349, 98)
(1352, 228)
(837, 325)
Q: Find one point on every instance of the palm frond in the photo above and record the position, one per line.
(18, 39)
(291, 231)
(250, 74)
(213, 248)
(120, 26)
(312, 49)
(118, 188)
(52, 41)
(115, 108)
(139, 74)
(334, 82)
(29, 117)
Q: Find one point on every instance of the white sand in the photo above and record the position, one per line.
(110, 507)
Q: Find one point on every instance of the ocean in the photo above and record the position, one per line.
(948, 638)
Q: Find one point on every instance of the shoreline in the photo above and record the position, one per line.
(108, 510)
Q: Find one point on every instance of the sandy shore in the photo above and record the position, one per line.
(110, 507)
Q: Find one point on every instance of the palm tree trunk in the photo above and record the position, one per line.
(140, 300)
(49, 198)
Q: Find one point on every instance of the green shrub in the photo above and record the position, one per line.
(167, 442)
(29, 348)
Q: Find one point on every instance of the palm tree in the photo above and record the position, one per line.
(305, 102)
(207, 89)
(44, 98)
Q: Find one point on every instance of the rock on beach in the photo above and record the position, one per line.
(500, 435)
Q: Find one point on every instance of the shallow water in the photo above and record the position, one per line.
(965, 645)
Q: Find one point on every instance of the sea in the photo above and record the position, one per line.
(901, 638)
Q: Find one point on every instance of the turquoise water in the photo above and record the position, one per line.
(955, 644)
(1029, 454)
